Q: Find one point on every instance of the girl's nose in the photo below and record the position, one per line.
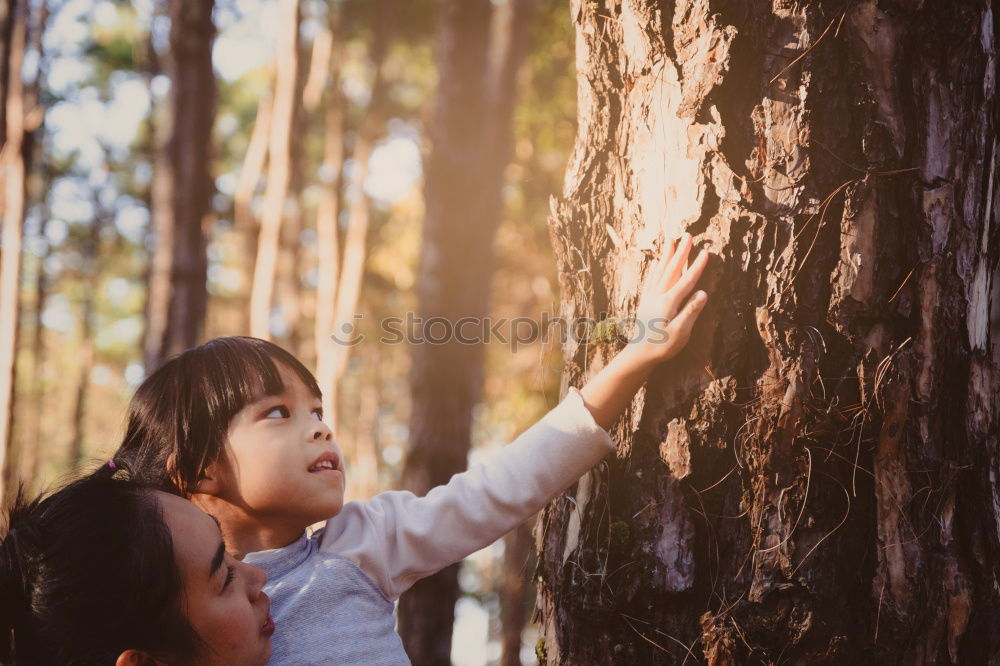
(322, 432)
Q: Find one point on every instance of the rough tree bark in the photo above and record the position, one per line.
(470, 135)
(814, 481)
(178, 292)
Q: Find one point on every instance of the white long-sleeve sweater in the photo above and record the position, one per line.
(332, 593)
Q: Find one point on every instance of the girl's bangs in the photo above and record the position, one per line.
(241, 370)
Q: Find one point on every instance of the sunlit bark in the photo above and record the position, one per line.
(814, 480)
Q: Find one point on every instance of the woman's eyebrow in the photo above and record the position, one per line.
(220, 553)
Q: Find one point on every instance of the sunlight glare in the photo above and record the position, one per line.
(394, 169)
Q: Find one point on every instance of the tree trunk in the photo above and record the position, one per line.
(278, 168)
(33, 448)
(362, 448)
(289, 266)
(254, 160)
(327, 240)
(813, 481)
(513, 609)
(12, 207)
(179, 274)
(91, 252)
(31, 443)
(253, 165)
(8, 19)
(341, 272)
(470, 135)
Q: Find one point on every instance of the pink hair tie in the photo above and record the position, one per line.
(111, 464)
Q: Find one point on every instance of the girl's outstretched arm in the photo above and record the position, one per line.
(663, 320)
(397, 538)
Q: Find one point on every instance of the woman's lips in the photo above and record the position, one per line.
(268, 627)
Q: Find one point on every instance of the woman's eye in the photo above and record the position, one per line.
(278, 412)
(230, 574)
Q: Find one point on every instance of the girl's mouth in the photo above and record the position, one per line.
(328, 462)
(268, 627)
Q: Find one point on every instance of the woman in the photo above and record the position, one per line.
(106, 571)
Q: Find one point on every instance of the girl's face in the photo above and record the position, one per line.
(223, 600)
(282, 467)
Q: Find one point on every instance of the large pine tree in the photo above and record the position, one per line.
(814, 480)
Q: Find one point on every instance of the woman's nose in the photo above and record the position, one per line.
(255, 581)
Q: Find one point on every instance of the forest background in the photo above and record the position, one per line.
(97, 101)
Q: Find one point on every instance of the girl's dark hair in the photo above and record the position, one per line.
(178, 418)
(87, 573)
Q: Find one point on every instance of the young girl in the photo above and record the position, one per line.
(236, 424)
(108, 572)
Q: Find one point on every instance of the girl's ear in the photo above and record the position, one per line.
(208, 484)
(136, 658)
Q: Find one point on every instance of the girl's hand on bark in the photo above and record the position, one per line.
(665, 314)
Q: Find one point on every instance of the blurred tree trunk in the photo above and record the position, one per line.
(12, 208)
(178, 290)
(289, 256)
(342, 271)
(8, 20)
(814, 480)
(157, 198)
(246, 187)
(31, 447)
(91, 253)
(253, 166)
(362, 448)
(513, 597)
(327, 236)
(289, 262)
(289, 265)
(278, 168)
(470, 136)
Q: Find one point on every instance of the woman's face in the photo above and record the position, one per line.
(223, 600)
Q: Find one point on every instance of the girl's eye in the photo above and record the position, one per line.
(230, 574)
(318, 412)
(280, 410)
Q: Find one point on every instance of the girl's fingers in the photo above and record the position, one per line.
(677, 262)
(690, 278)
(663, 261)
(685, 320)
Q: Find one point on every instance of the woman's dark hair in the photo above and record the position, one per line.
(178, 418)
(87, 573)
